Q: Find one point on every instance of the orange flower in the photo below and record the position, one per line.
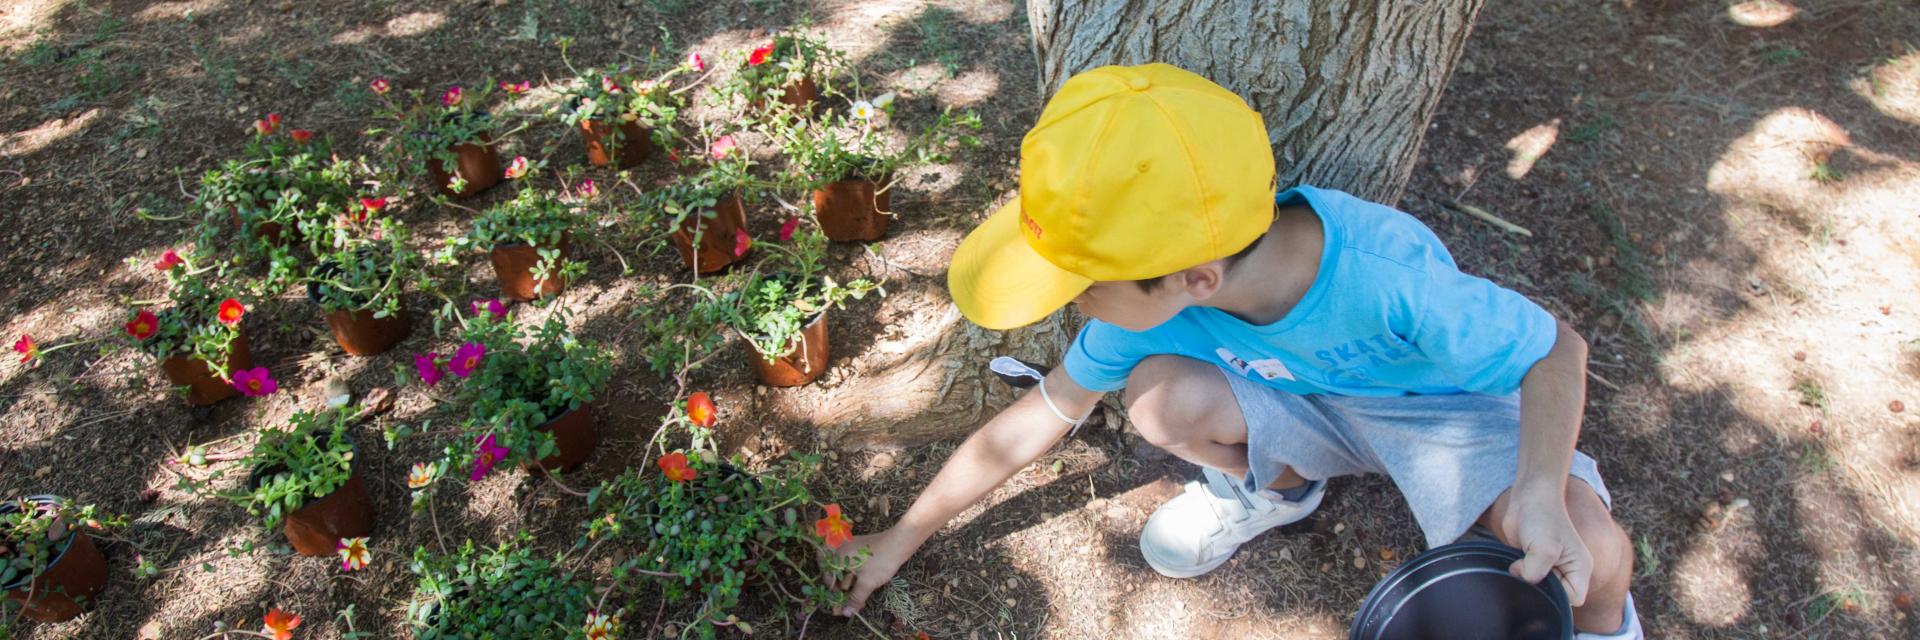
(230, 312)
(835, 530)
(700, 409)
(674, 465)
(143, 325)
(760, 55)
(281, 624)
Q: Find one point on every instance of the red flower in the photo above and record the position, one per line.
(700, 409)
(301, 135)
(266, 127)
(760, 55)
(674, 466)
(167, 261)
(380, 86)
(281, 624)
(373, 205)
(786, 230)
(230, 312)
(609, 85)
(516, 89)
(143, 325)
(741, 242)
(26, 348)
(833, 529)
(452, 97)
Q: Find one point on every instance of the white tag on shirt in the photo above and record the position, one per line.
(1271, 368)
(1239, 366)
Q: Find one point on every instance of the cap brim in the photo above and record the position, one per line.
(1000, 282)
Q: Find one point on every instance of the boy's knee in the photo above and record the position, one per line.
(1161, 395)
(1612, 551)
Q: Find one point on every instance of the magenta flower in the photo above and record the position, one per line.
(516, 89)
(485, 455)
(428, 364)
(695, 62)
(452, 97)
(786, 230)
(466, 359)
(494, 307)
(255, 382)
(609, 85)
(380, 86)
(588, 189)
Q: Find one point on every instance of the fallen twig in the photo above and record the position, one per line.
(1488, 218)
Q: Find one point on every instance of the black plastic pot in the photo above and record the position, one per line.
(1463, 591)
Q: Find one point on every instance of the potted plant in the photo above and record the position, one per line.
(528, 241)
(279, 182)
(302, 481)
(49, 566)
(622, 112)
(359, 270)
(783, 315)
(197, 339)
(449, 140)
(845, 160)
(705, 216)
(791, 68)
(527, 401)
(502, 592)
(704, 531)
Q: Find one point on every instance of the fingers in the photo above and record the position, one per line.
(1534, 567)
(857, 598)
(1576, 574)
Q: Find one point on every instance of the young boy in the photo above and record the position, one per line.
(1342, 331)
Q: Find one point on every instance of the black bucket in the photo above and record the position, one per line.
(1463, 591)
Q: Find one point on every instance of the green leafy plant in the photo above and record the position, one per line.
(361, 263)
(35, 530)
(770, 310)
(852, 143)
(501, 592)
(650, 95)
(202, 318)
(774, 67)
(535, 218)
(511, 388)
(422, 130)
(704, 530)
(280, 183)
(308, 460)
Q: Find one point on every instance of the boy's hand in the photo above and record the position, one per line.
(1542, 529)
(887, 557)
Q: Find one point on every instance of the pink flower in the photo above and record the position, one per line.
(786, 230)
(695, 62)
(26, 348)
(494, 307)
(516, 89)
(760, 55)
(721, 147)
(380, 86)
(588, 189)
(255, 382)
(517, 168)
(168, 261)
(609, 85)
(741, 242)
(354, 554)
(486, 454)
(428, 364)
(466, 359)
(452, 97)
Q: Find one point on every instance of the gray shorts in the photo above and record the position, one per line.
(1451, 455)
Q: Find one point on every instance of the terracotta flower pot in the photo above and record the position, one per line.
(362, 334)
(272, 232)
(573, 433)
(633, 148)
(315, 529)
(853, 210)
(513, 266)
(802, 364)
(717, 236)
(203, 388)
(76, 574)
(477, 163)
(800, 94)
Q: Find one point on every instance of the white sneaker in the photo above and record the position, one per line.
(1629, 627)
(1198, 530)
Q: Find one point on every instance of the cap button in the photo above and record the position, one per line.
(1139, 83)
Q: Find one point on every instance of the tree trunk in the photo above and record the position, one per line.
(1346, 86)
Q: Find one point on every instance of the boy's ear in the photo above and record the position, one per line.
(1202, 281)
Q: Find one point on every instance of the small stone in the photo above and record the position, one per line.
(150, 631)
(882, 460)
(1896, 406)
(335, 392)
(377, 401)
(1726, 476)
(1386, 554)
(1359, 562)
(42, 472)
(140, 153)
(1800, 356)
(1339, 527)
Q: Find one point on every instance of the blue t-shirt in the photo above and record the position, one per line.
(1388, 314)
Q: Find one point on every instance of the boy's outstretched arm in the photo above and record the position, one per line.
(1012, 440)
(1553, 396)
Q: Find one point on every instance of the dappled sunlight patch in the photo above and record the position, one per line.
(244, 34)
(24, 17)
(1710, 582)
(415, 23)
(1529, 146)
(932, 180)
(968, 89)
(1893, 87)
(26, 141)
(861, 28)
(919, 78)
(1762, 13)
(978, 11)
(177, 10)
(1778, 155)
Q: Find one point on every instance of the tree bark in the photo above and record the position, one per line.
(1346, 87)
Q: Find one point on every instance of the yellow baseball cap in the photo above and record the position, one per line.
(1131, 173)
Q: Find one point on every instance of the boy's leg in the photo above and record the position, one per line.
(1612, 555)
(1185, 407)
